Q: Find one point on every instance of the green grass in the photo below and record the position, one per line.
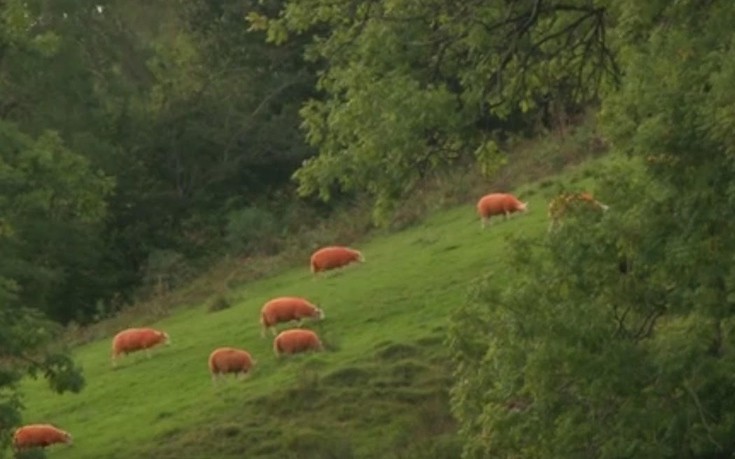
(378, 391)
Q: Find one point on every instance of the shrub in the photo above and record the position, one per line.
(218, 303)
(165, 270)
(251, 230)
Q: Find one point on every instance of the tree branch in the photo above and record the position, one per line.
(700, 409)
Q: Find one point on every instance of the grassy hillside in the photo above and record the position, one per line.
(379, 391)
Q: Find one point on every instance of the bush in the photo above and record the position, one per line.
(252, 230)
(218, 303)
(164, 270)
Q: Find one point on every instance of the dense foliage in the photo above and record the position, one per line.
(189, 114)
(616, 337)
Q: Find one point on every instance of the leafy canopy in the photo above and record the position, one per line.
(408, 87)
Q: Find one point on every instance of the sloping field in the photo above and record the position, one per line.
(379, 391)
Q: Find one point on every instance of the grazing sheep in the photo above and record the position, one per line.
(561, 204)
(334, 257)
(286, 309)
(225, 360)
(136, 339)
(498, 204)
(39, 435)
(296, 340)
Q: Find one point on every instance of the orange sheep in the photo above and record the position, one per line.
(296, 340)
(136, 339)
(230, 360)
(499, 204)
(39, 435)
(334, 257)
(561, 204)
(286, 309)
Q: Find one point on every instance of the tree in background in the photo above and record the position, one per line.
(408, 88)
(52, 206)
(193, 116)
(52, 200)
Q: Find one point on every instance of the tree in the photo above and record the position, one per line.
(51, 205)
(192, 115)
(29, 346)
(408, 87)
(613, 337)
(45, 191)
(224, 130)
(54, 125)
